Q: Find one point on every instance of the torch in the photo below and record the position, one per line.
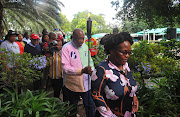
(89, 26)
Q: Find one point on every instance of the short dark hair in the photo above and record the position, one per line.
(113, 40)
(45, 31)
(25, 34)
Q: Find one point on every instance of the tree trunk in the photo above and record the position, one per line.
(1, 21)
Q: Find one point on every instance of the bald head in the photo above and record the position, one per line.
(78, 37)
(76, 31)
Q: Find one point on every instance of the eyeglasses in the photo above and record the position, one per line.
(125, 52)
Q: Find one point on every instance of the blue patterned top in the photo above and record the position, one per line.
(113, 89)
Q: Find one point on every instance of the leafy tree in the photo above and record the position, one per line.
(134, 26)
(65, 24)
(28, 12)
(83, 25)
(154, 12)
(98, 22)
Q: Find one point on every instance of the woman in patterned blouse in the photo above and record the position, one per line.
(113, 87)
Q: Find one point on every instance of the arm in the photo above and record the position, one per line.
(98, 84)
(61, 31)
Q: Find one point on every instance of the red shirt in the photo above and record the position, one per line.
(20, 47)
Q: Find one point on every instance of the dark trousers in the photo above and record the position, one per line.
(57, 86)
(73, 98)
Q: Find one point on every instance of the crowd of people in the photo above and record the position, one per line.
(107, 90)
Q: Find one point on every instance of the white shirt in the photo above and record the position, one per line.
(26, 40)
(10, 47)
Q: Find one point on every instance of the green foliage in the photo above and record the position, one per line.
(25, 14)
(134, 26)
(32, 104)
(65, 25)
(100, 56)
(152, 54)
(162, 99)
(154, 12)
(21, 72)
(98, 22)
(82, 23)
(172, 48)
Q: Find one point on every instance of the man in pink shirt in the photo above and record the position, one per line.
(74, 60)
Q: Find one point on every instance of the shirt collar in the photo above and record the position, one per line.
(112, 66)
(75, 44)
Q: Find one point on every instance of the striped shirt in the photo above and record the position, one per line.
(55, 66)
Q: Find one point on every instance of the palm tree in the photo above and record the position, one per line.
(29, 12)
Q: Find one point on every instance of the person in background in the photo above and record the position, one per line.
(45, 39)
(52, 39)
(20, 39)
(33, 47)
(113, 87)
(74, 61)
(61, 35)
(35, 50)
(92, 46)
(20, 43)
(40, 35)
(45, 31)
(55, 70)
(26, 38)
(10, 45)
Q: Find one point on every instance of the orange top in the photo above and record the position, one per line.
(92, 46)
(20, 47)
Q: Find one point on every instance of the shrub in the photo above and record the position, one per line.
(21, 73)
(162, 99)
(32, 104)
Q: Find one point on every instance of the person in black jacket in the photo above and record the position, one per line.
(33, 47)
(35, 50)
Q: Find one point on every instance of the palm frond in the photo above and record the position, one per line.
(37, 12)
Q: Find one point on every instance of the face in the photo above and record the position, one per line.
(78, 38)
(53, 36)
(121, 54)
(27, 36)
(59, 45)
(34, 41)
(40, 35)
(20, 37)
(45, 32)
(46, 38)
(12, 38)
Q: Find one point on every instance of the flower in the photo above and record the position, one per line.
(38, 62)
(145, 68)
(109, 74)
(110, 94)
